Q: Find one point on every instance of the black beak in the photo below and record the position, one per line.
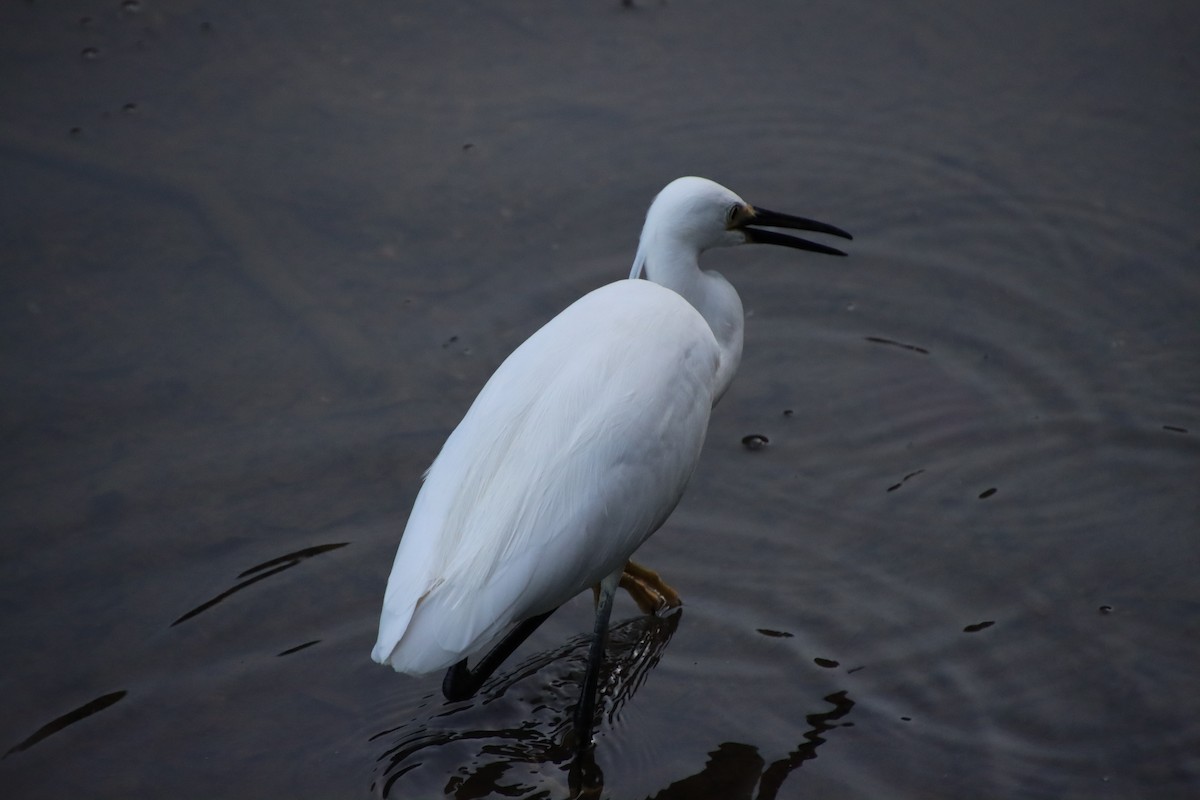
(773, 219)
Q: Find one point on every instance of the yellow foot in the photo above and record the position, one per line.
(646, 588)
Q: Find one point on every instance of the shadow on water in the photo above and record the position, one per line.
(513, 739)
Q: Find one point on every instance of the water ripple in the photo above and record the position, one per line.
(70, 718)
(512, 738)
(264, 570)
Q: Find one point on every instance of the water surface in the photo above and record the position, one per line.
(257, 261)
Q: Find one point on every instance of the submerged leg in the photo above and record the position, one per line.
(462, 682)
(585, 711)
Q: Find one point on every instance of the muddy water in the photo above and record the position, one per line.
(256, 262)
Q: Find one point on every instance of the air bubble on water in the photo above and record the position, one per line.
(755, 441)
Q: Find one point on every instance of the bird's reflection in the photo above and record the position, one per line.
(513, 738)
(734, 770)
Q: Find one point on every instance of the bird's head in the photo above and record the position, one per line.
(698, 214)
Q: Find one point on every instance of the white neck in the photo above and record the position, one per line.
(676, 265)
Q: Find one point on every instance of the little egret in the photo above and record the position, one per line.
(576, 450)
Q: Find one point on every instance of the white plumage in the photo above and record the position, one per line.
(568, 459)
(581, 443)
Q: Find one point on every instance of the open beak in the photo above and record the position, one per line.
(758, 218)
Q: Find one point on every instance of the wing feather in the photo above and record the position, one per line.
(575, 451)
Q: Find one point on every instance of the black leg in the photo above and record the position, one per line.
(462, 682)
(585, 711)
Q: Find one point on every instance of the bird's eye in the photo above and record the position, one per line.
(732, 214)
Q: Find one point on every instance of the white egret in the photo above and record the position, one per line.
(576, 450)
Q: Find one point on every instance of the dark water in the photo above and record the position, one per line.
(258, 258)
